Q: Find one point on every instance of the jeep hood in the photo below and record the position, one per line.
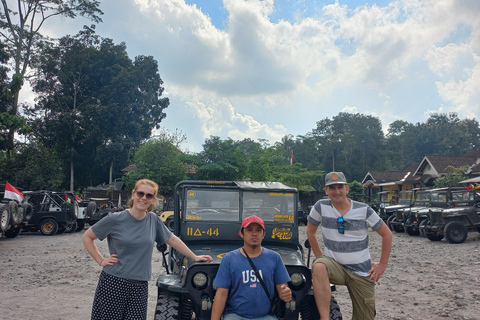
(289, 255)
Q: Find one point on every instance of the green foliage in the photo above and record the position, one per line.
(97, 104)
(32, 167)
(452, 178)
(356, 189)
(157, 160)
(296, 176)
(221, 160)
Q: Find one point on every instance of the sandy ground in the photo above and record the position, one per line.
(53, 277)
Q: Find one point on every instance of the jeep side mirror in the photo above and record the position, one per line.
(307, 244)
(162, 247)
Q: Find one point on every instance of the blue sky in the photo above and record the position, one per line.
(265, 69)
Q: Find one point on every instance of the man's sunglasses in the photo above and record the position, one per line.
(141, 194)
(341, 228)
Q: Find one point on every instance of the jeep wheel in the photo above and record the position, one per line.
(170, 223)
(335, 313)
(73, 210)
(80, 225)
(455, 232)
(168, 307)
(16, 216)
(390, 220)
(434, 237)
(91, 208)
(4, 218)
(48, 227)
(309, 311)
(411, 231)
(71, 227)
(396, 227)
(27, 211)
(13, 232)
(421, 227)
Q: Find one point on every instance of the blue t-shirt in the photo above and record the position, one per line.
(246, 296)
(132, 240)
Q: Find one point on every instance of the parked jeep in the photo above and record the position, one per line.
(454, 223)
(421, 201)
(439, 199)
(406, 199)
(51, 213)
(207, 217)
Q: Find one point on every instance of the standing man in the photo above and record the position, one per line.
(239, 292)
(346, 260)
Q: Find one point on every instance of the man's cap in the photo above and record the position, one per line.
(335, 178)
(251, 219)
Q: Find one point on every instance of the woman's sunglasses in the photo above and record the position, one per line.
(141, 194)
(341, 228)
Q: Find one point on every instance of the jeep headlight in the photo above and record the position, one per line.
(199, 280)
(297, 279)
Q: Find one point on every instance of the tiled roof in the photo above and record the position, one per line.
(441, 162)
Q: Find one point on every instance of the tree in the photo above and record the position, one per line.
(20, 29)
(351, 143)
(32, 167)
(221, 160)
(157, 160)
(96, 105)
(452, 178)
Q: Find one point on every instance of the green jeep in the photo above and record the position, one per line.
(207, 217)
(454, 222)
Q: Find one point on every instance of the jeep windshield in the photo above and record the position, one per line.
(230, 205)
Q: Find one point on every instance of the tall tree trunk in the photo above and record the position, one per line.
(110, 180)
(71, 174)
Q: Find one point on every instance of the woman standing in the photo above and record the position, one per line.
(122, 291)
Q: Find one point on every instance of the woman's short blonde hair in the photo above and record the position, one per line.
(152, 184)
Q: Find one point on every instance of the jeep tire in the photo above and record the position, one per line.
(168, 307)
(455, 232)
(4, 217)
(389, 219)
(16, 215)
(27, 211)
(13, 232)
(48, 227)
(80, 225)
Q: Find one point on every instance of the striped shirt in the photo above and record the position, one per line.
(351, 248)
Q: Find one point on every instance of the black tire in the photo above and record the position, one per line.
(168, 307)
(411, 231)
(27, 211)
(4, 217)
(16, 215)
(434, 237)
(389, 219)
(421, 227)
(396, 227)
(73, 211)
(48, 227)
(170, 224)
(80, 225)
(335, 313)
(13, 232)
(309, 311)
(91, 208)
(455, 232)
(71, 227)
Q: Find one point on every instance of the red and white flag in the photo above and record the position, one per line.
(12, 193)
(291, 159)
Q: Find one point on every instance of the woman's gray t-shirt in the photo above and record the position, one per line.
(132, 240)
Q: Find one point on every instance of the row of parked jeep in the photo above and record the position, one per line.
(448, 213)
(50, 213)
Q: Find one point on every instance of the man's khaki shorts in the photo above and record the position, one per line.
(360, 289)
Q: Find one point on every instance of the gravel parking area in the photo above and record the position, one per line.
(44, 277)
